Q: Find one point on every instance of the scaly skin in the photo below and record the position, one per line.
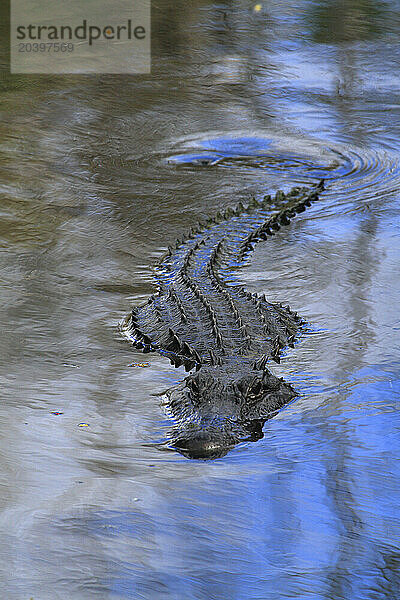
(222, 333)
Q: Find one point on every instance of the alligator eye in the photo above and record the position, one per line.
(256, 388)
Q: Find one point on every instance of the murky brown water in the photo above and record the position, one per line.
(97, 176)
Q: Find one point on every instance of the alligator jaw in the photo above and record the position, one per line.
(209, 441)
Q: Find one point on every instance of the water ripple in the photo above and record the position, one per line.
(359, 173)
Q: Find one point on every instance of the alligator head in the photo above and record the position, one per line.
(215, 411)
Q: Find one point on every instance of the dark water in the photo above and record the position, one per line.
(97, 176)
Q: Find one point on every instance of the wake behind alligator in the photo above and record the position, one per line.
(224, 335)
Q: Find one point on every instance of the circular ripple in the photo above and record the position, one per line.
(365, 173)
(355, 174)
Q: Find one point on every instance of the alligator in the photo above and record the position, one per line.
(222, 334)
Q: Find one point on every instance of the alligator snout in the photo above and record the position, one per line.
(206, 443)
